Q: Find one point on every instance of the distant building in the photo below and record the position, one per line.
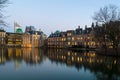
(14, 39)
(33, 38)
(73, 38)
(29, 29)
(2, 37)
(43, 39)
(30, 40)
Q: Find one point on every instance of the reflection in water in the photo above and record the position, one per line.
(30, 56)
(102, 67)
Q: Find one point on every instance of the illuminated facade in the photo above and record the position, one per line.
(73, 38)
(2, 37)
(30, 40)
(14, 39)
(31, 37)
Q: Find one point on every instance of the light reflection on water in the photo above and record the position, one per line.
(56, 64)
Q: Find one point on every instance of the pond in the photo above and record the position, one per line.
(56, 64)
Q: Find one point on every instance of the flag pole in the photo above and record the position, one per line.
(14, 26)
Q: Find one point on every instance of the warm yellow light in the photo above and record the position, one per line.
(114, 61)
(68, 43)
(72, 58)
(68, 53)
(73, 38)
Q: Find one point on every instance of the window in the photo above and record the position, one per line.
(81, 38)
(68, 34)
(68, 43)
(75, 43)
(64, 39)
(73, 38)
(68, 38)
(88, 37)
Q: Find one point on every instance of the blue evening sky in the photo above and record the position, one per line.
(52, 15)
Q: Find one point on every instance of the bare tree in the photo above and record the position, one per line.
(3, 4)
(109, 32)
(107, 14)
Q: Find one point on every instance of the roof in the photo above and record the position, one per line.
(1, 30)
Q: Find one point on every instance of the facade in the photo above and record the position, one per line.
(33, 38)
(30, 40)
(43, 39)
(73, 38)
(2, 37)
(13, 39)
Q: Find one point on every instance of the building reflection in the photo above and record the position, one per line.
(30, 56)
(2, 56)
(103, 67)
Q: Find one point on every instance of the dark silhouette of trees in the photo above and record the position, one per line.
(3, 4)
(113, 33)
(109, 32)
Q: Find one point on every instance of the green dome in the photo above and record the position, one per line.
(57, 31)
(19, 30)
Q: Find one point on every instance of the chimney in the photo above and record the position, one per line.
(85, 26)
(96, 24)
(92, 26)
(78, 27)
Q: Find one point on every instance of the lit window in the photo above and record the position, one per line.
(75, 43)
(73, 39)
(69, 34)
(88, 37)
(64, 39)
(78, 38)
(81, 38)
(88, 43)
(68, 43)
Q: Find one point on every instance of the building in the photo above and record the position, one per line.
(33, 38)
(73, 38)
(13, 39)
(29, 29)
(2, 37)
(30, 40)
(43, 39)
(57, 40)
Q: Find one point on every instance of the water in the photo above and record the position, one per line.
(56, 64)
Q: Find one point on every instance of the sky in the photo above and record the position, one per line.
(52, 15)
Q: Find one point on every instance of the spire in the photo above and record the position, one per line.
(85, 26)
(92, 26)
(96, 24)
